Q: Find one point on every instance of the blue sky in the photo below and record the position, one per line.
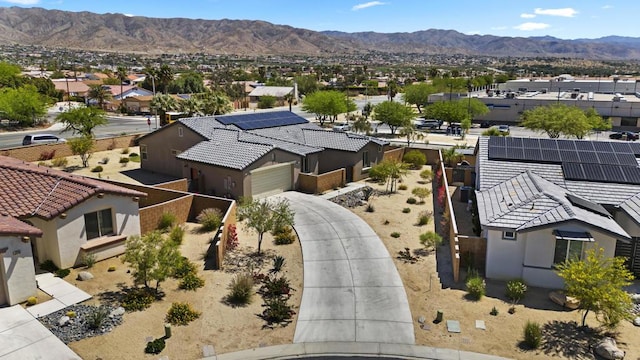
(561, 19)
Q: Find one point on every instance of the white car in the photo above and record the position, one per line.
(42, 139)
(342, 126)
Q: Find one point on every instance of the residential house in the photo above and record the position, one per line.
(71, 87)
(48, 214)
(542, 201)
(255, 154)
(278, 92)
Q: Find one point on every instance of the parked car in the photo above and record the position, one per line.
(503, 129)
(485, 124)
(342, 126)
(624, 135)
(428, 124)
(42, 139)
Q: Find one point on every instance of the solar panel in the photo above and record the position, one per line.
(552, 156)
(614, 173)
(513, 142)
(530, 143)
(632, 174)
(497, 152)
(262, 120)
(627, 160)
(515, 154)
(607, 158)
(566, 145)
(551, 144)
(588, 157)
(532, 154)
(569, 156)
(572, 171)
(621, 147)
(497, 141)
(593, 172)
(587, 205)
(584, 145)
(602, 146)
(635, 148)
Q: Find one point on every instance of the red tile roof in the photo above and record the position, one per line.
(30, 190)
(13, 226)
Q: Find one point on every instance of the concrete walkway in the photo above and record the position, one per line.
(63, 294)
(352, 289)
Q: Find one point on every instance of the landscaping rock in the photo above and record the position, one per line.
(355, 198)
(636, 321)
(608, 349)
(84, 276)
(635, 298)
(78, 328)
(64, 320)
(117, 312)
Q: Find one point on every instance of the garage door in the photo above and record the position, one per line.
(270, 180)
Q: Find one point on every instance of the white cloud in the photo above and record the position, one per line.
(527, 16)
(564, 12)
(367, 5)
(22, 2)
(128, 15)
(531, 26)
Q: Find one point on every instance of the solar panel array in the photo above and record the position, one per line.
(262, 120)
(599, 161)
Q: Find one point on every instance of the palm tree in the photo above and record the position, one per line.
(165, 77)
(215, 103)
(121, 74)
(163, 103)
(191, 106)
(100, 94)
(289, 98)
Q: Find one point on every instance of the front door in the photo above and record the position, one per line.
(195, 184)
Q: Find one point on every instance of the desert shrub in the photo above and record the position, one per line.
(71, 314)
(430, 239)
(424, 217)
(277, 311)
(494, 311)
(32, 300)
(111, 269)
(89, 260)
(125, 151)
(105, 160)
(97, 169)
(47, 155)
(132, 155)
(137, 300)
(176, 235)
(232, 238)
(48, 266)
(167, 220)
(273, 287)
(516, 290)
(283, 235)
(476, 287)
(96, 317)
(395, 234)
(370, 208)
(124, 160)
(532, 335)
(241, 290)
(406, 210)
(210, 219)
(191, 281)
(421, 193)
(155, 347)
(183, 267)
(278, 263)
(377, 173)
(60, 162)
(402, 187)
(62, 273)
(415, 158)
(412, 201)
(181, 314)
(426, 175)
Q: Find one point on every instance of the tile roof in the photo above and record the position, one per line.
(289, 146)
(12, 226)
(337, 140)
(527, 201)
(30, 190)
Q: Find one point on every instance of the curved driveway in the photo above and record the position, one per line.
(352, 289)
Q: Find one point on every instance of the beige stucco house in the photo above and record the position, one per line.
(48, 214)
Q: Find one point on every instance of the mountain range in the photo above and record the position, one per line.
(118, 32)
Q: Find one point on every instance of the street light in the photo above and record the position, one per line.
(155, 111)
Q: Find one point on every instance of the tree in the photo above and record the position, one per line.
(393, 114)
(266, 102)
(121, 74)
(561, 120)
(391, 171)
(289, 98)
(151, 257)
(411, 133)
(421, 193)
(264, 215)
(418, 94)
(164, 77)
(307, 84)
(23, 104)
(82, 120)
(451, 156)
(10, 75)
(82, 146)
(329, 104)
(191, 106)
(163, 103)
(361, 125)
(100, 94)
(494, 131)
(456, 111)
(598, 282)
(214, 103)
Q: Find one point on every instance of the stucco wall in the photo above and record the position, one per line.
(504, 257)
(627, 223)
(160, 145)
(18, 277)
(47, 245)
(315, 184)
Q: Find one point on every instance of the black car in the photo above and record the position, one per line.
(624, 135)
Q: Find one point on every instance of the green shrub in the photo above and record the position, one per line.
(412, 201)
(89, 260)
(60, 162)
(277, 311)
(124, 160)
(111, 269)
(49, 266)
(283, 236)
(62, 273)
(184, 267)
(97, 169)
(415, 158)
(137, 300)
(210, 219)
(71, 314)
(125, 151)
(402, 187)
(377, 173)
(191, 281)
(516, 290)
(532, 335)
(176, 235)
(167, 220)
(395, 234)
(32, 300)
(406, 210)
(155, 347)
(494, 311)
(181, 314)
(240, 290)
(275, 287)
(132, 155)
(476, 287)
(96, 317)
(278, 263)
(424, 217)
(421, 193)
(426, 175)
(430, 239)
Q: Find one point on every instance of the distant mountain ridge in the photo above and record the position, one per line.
(118, 32)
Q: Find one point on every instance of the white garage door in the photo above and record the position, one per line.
(271, 180)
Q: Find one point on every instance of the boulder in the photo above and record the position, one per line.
(608, 349)
(84, 276)
(117, 312)
(635, 298)
(64, 320)
(636, 321)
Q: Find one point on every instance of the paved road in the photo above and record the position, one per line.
(352, 289)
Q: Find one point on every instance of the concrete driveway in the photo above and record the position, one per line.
(352, 289)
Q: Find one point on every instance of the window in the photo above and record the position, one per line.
(180, 133)
(509, 235)
(567, 249)
(99, 223)
(305, 165)
(143, 152)
(365, 160)
(175, 152)
(628, 121)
